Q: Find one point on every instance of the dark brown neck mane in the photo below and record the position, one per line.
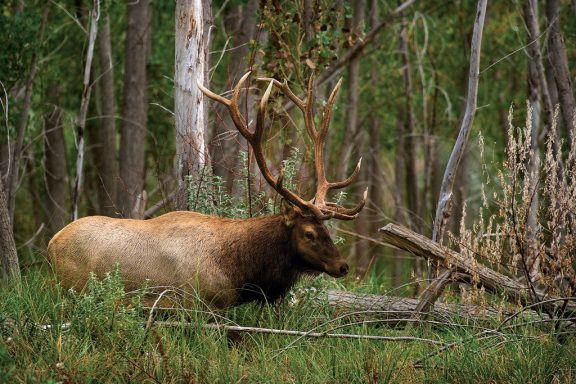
(265, 268)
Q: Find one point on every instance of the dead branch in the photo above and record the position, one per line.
(491, 280)
(287, 332)
(431, 294)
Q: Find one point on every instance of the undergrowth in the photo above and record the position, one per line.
(105, 335)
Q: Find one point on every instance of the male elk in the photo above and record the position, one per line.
(226, 262)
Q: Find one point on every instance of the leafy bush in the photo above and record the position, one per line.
(209, 195)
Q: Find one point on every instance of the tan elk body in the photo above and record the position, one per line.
(223, 262)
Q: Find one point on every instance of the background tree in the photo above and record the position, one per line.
(134, 129)
(9, 258)
(193, 21)
(104, 147)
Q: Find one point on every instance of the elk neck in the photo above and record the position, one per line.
(269, 266)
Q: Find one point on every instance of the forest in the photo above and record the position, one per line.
(433, 141)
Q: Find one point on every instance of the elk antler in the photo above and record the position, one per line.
(321, 208)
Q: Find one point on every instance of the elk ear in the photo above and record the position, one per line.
(289, 213)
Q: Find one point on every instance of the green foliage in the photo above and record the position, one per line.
(291, 55)
(102, 310)
(18, 41)
(101, 336)
(209, 195)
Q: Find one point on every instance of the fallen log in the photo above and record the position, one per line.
(400, 310)
(491, 280)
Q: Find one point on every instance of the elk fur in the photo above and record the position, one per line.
(226, 262)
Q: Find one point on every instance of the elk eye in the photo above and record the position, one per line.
(309, 235)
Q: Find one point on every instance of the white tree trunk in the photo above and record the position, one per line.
(192, 38)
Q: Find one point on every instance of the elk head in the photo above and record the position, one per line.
(304, 218)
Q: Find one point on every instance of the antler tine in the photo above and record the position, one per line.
(349, 180)
(347, 213)
(262, 114)
(232, 104)
(322, 185)
(286, 90)
(328, 110)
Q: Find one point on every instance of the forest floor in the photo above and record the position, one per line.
(47, 335)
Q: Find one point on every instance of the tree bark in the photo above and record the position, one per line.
(409, 120)
(537, 92)
(559, 64)
(105, 164)
(538, 72)
(408, 149)
(135, 108)
(307, 19)
(84, 103)
(37, 197)
(399, 196)
(387, 307)
(14, 169)
(442, 211)
(193, 21)
(374, 178)
(8, 254)
(55, 169)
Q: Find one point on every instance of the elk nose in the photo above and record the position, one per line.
(344, 269)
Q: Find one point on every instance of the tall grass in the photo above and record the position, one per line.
(47, 335)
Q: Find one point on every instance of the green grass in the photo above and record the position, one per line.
(100, 336)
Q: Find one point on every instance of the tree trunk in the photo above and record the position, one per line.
(362, 255)
(446, 191)
(105, 164)
(135, 108)
(8, 256)
(193, 20)
(56, 171)
(559, 64)
(12, 179)
(351, 135)
(307, 19)
(375, 178)
(410, 183)
(401, 308)
(399, 199)
(536, 93)
(80, 122)
(37, 197)
(460, 193)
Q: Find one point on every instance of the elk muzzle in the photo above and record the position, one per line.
(338, 268)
